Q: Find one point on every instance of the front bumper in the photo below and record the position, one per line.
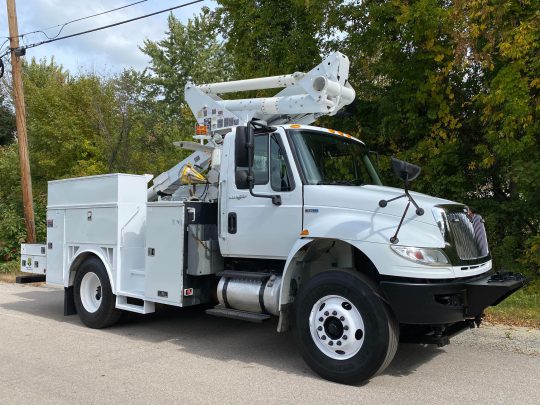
(442, 303)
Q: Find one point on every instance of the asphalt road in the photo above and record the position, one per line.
(186, 356)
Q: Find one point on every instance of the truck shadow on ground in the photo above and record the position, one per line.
(218, 338)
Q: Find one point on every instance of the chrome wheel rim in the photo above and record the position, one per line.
(337, 327)
(91, 292)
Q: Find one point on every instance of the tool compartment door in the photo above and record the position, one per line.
(164, 252)
(55, 246)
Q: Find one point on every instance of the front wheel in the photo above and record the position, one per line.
(343, 330)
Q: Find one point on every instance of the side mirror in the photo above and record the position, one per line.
(241, 150)
(241, 179)
(244, 155)
(405, 171)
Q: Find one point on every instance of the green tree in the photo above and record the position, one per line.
(7, 123)
(189, 52)
(504, 39)
(272, 37)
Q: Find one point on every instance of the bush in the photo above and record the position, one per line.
(9, 267)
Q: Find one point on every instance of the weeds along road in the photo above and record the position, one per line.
(185, 356)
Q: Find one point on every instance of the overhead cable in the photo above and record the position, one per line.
(62, 26)
(110, 25)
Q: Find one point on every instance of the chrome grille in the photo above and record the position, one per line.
(468, 234)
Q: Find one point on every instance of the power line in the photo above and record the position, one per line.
(108, 26)
(62, 26)
(3, 43)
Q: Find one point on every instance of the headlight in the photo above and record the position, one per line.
(428, 256)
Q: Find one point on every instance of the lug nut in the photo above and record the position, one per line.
(341, 318)
(323, 337)
(345, 327)
(326, 313)
(331, 343)
(321, 319)
(334, 313)
(319, 328)
(339, 343)
(344, 337)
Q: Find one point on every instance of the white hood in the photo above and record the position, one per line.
(366, 198)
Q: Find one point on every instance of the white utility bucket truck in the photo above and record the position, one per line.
(273, 217)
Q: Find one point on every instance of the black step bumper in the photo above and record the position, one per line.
(443, 303)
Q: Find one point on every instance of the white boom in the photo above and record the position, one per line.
(324, 90)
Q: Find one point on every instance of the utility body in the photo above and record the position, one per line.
(272, 217)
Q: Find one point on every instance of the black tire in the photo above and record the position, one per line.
(380, 339)
(106, 314)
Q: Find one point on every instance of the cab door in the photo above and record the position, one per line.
(254, 226)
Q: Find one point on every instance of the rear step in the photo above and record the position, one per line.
(236, 314)
(30, 278)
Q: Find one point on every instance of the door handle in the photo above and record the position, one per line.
(193, 212)
(232, 222)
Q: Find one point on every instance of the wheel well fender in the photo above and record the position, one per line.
(310, 256)
(83, 256)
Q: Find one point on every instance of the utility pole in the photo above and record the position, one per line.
(20, 117)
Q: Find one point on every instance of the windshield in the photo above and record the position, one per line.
(333, 159)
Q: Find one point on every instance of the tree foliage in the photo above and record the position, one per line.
(189, 52)
(7, 124)
(272, 37)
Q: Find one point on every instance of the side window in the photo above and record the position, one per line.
(260, 161)
(279, 174)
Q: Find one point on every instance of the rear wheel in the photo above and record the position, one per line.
(94, 300)
(343, 330)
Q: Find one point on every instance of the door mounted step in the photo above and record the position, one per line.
(240, 315)
(141, 307)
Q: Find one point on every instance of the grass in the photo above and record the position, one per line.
(520, 309)
(9, 271)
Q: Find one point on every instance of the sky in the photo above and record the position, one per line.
(108, 51)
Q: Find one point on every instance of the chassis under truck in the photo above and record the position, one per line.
(273, 217)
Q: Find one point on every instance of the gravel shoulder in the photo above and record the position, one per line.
(501, 338)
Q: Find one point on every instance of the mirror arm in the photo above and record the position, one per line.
(407, 172)
(419, 211)
(250, 144)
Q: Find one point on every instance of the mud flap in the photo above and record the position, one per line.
(69, 301)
